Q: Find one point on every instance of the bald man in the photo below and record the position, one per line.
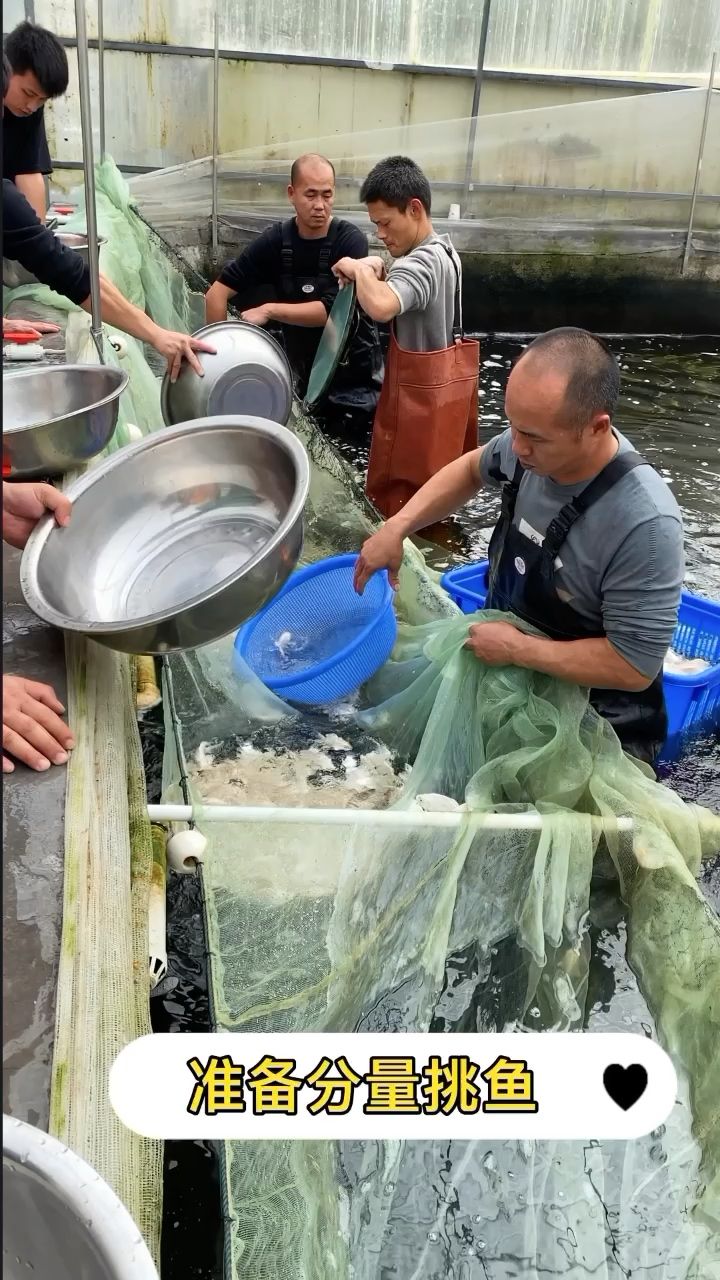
(589, 545)
(284, 280)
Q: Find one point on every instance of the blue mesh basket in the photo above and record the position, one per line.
(318, 640)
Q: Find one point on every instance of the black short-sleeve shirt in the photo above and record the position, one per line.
(28, 241)
(25, 148)
(261, 262)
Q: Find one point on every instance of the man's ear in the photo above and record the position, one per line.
(601, 424)
(417, 207)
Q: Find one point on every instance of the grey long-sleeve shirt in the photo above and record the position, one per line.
(424, 282)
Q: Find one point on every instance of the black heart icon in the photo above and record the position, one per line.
(625, 1084)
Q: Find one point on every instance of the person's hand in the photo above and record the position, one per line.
(36, 327)
(375, 264)
(348, 269)
(261, 315)
(383, 550)
(33, 731)
(497, 643)
(345, 269)
(25, 504)
(176, 347)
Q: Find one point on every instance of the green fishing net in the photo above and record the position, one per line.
(363, 929)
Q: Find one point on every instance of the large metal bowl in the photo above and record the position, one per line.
(61, 1220)
(14, 275)
(248, 374)
(176, 540)
(56, 417)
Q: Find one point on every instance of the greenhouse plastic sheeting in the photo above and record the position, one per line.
(315, 928)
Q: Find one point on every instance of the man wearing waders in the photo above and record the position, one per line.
(427, 413)
(284, 281)
(589, 544)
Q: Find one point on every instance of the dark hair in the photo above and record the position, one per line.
(396, 181)
(297, 165)
(7, 72)
(33, 48)
(593, 384)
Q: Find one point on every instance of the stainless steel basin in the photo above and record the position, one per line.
(56, 417)
(14, 275)
(248, 374)
(176, 540)
(61, 1220)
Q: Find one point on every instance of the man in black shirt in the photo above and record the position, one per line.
(39, 69)
(284, 279)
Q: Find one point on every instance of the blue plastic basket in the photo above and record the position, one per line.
(693, 701)
(318, 640)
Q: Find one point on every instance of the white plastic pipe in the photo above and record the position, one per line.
(361, 817)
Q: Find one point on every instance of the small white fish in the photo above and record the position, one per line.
(282, 642)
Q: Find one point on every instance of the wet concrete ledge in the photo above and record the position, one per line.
(33, 857)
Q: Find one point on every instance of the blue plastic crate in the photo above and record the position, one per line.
(317, 640)
(693, 701)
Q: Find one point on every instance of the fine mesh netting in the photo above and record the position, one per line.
(318, 928)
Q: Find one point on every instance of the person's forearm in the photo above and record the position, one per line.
(593, 663)
(32, 186)
(216, 303)
(308, 315)
(121, 314)
(376, 298)
(448, 490)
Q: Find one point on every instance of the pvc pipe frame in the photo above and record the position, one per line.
(89, 174)
(391, 819)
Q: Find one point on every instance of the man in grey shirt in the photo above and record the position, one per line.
(418, 290)
(589, 546)
(427, 413)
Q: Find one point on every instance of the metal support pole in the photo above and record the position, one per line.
(215, 131)
(476, 101)
(101, 77)
(698, 167)
(89, 175)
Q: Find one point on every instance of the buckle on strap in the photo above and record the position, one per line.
(559, 528)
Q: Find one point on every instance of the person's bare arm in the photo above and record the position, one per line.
(216, 302)
(376, 298)
(175, 347)
(308, 315)
(32, 186)
(593, 663)
(449, 489)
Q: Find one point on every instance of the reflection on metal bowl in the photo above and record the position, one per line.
(248, 374)
(61, 1220)
(57, 417)
(176, 540)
